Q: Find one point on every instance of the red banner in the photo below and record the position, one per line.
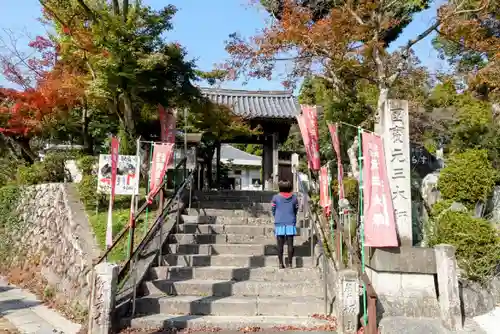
(115, 146)
(162, 154)
(336, 146)
(311, 120)
(167, 124)
(305, 136)
(379, 222)
(324, 195)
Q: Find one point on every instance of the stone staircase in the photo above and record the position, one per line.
(220, 270)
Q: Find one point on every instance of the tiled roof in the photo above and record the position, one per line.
(238, 157)
(255, 104)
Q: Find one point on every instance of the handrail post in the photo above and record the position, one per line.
(325, 281)
(131, 236)
(134, 281)
(160, 258)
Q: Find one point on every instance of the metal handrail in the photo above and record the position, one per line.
(151, 233)
(157, 224)
(371, 327)
(141, 209)
(315, 230)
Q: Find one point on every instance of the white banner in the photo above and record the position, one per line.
(126, 180)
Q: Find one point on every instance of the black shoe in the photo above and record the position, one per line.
(289, 265)
(281, 266)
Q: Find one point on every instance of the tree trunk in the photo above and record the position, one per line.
(382, 100)
(352, 153)
(88, 142)
(125, 10)
(27, 153)
(128, 115)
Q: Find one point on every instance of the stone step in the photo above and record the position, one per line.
(235, 323)
(255, 196)
(265, 221)
(202, 239)
(234, 305)
(235, 249)
(221, 288)
(230, 212)
(252, 261)
(273, 274)
(235, 199)
(226, 205)
(248, 230)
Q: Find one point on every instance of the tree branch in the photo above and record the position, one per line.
(90, 13)
(406, 51)
(125, 10)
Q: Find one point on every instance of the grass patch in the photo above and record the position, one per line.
(121, 215)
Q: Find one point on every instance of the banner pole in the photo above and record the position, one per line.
(362, 222)
(131, 231)
(146, 223)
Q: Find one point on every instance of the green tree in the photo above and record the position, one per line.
(126, 55)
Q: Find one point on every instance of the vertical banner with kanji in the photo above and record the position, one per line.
(115, 146)
(310, 114)
(305, 137)
(333, 128)
(379, 223)
(324, 195)
(162, 154)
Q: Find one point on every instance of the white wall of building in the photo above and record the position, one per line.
(246, 176)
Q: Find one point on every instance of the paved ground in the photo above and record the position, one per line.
(6, 327)
(489, 322)
(24, 311)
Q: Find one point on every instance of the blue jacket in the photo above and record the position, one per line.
(285, 207)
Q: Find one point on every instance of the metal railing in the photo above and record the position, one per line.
(156, 229)
(128, 270)
(147, 203)
(315, 230)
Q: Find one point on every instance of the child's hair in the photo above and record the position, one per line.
(285, 186)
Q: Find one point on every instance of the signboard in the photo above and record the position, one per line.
(126, 180)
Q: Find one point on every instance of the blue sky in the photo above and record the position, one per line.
(202, 27)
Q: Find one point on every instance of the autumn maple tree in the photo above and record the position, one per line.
(471, 43)
(344, 43)
(46, 88)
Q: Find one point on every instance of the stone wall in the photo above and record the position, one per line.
(479, 299)
(55, 236)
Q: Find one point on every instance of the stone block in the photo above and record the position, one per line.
(385, 283)
(404, 259)
(102, 305)
(449, 297)
(348, 303)
(418, 285)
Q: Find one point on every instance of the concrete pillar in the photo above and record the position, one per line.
(348, 303)
(449, 298)
(217, 172)
(295, 171)
(103, 298)
(394, 127)
(275, 158)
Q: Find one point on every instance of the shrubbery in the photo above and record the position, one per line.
(351, 191)
(51, 169)
(88, 185)
(467, 178)
(86, 164)
(476, 240)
